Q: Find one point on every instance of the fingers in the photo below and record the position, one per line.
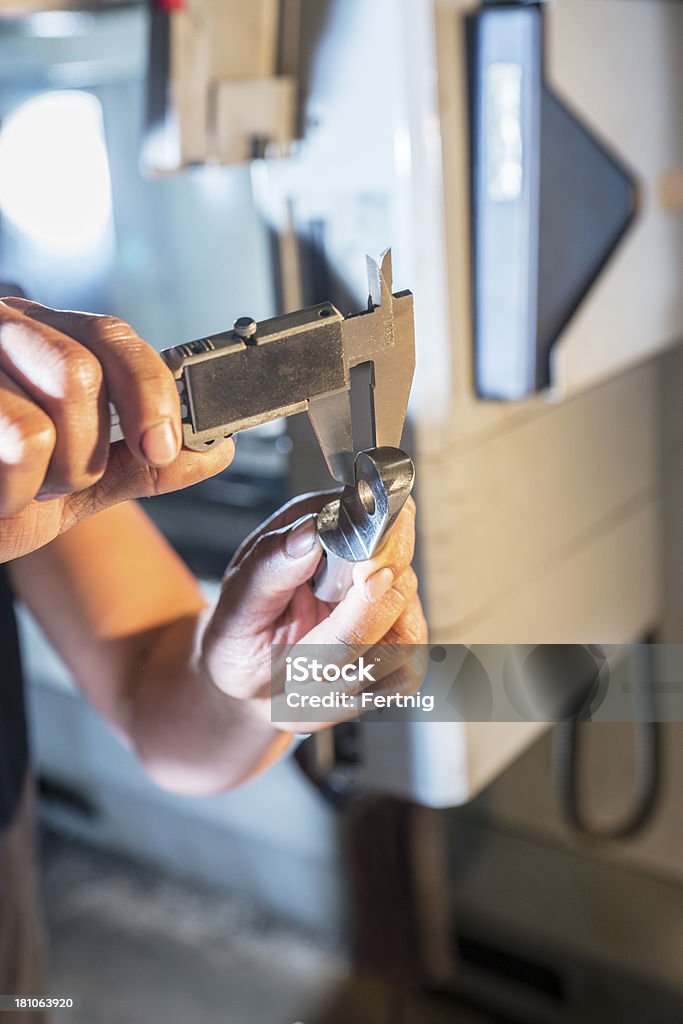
(66, 382)
(406, 679)
(402, 644)
(37, 523)
(394, 557)
(138, 382)
(352, 629)
(127, 478)
(27, 441)
(290, 513)
(406, 640)
(411, 626)
(259, 588)
(356, 624)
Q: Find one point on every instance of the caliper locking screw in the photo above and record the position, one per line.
(245, 328)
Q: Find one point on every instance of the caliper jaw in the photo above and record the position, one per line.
(378, 347)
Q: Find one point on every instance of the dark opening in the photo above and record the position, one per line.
(510, 967)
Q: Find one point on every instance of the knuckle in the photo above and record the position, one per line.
(109, 328)
(412, 630)
(150, 367)
(407, 584)
(43, 438)
(351, 639)
(27, 438)
(84, 375)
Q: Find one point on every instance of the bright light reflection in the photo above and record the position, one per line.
(54, 171)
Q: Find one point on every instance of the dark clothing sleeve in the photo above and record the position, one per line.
(21, 971)
(13, 741)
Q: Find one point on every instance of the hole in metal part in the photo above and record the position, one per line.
(366, 497)
(325, 312)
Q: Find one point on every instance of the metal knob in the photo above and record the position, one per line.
(245, 327)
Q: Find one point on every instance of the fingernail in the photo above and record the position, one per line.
(159, 444)
(377, 585)
(301, 538)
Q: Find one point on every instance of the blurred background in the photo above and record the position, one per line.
(180, 163)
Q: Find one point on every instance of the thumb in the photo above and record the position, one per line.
(259, 588)
(126, 477)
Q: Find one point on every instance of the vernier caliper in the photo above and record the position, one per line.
(351, 375)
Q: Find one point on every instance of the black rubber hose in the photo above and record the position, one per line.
(647, 752)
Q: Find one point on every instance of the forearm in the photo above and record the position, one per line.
(190, 737)
(126, 617)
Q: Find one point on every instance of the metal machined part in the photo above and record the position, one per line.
(355, 526)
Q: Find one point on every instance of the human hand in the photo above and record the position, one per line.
(58, 372)
(266, 599)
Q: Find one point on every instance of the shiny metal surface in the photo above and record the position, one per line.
(384, 336)
(245, 327)
(354, 527)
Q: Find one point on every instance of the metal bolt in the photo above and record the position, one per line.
(245, 327)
